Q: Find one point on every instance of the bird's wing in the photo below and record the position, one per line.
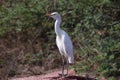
(68, 47)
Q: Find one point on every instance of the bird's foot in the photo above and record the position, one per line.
(66, 75)
(60, 74)
(63, 75)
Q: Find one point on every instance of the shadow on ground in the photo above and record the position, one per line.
(71, 78)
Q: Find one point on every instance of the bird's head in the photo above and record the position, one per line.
(54, 15)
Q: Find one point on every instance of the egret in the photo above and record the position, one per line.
(63, 42)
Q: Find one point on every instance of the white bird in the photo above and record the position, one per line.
(63, 42)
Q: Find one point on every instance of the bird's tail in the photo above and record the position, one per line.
(71, 60)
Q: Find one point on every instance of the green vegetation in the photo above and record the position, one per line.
(27, 36)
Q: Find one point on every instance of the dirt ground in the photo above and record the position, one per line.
(54, 76)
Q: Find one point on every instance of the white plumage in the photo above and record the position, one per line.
(65, 46)
(63, 42)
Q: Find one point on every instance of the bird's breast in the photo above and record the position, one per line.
(59, 42)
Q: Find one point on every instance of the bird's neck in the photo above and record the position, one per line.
(57, 27)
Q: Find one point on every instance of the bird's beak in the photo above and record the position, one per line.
(47, 14)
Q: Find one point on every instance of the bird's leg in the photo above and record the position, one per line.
(63, 62)
(67, 65)
(62, 66)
